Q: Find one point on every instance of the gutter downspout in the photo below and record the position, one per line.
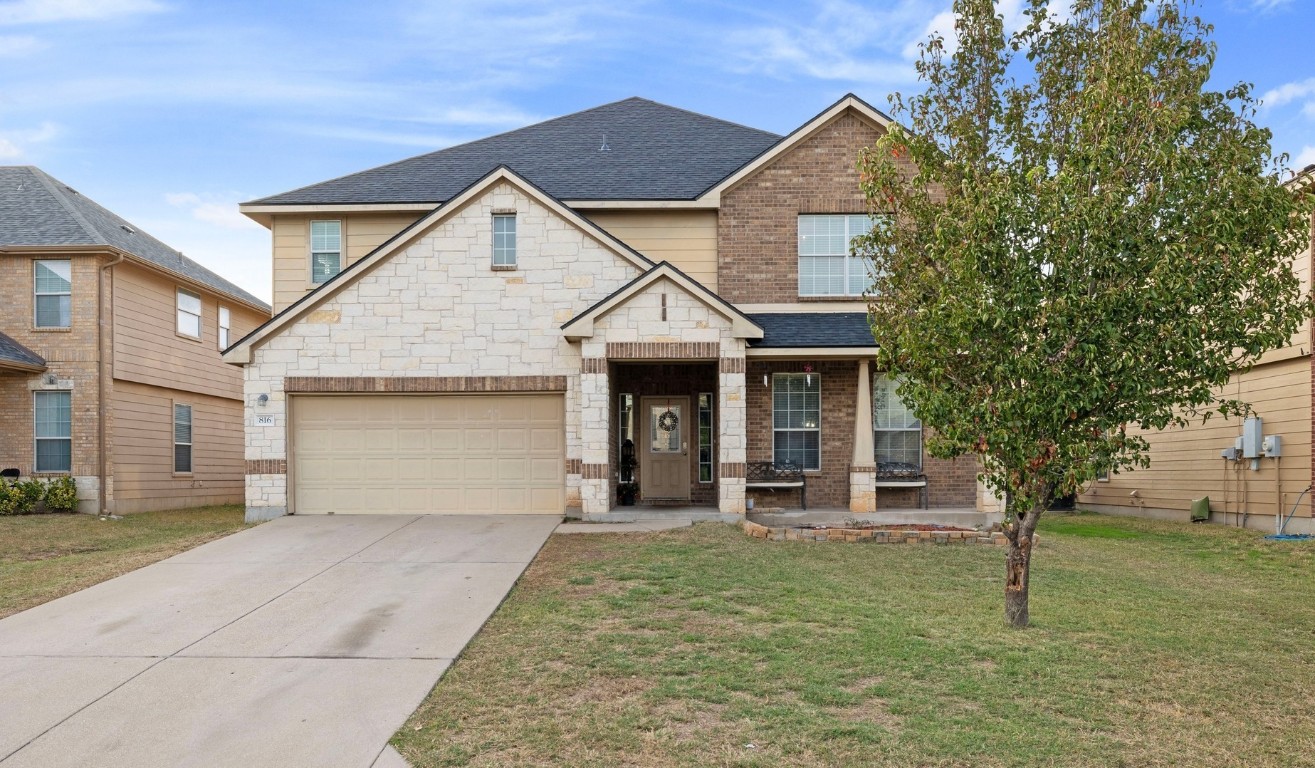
(106, 508)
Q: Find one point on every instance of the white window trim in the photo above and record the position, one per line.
(515, 246)
(179, 293)
(849, 262)
(37, 440)
(310, 245)
(225, 327)
(878, 377)
(191, 429)
(36, 293)
(818, 430)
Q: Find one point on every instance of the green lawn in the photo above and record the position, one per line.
(1154, 644)
(43, 557)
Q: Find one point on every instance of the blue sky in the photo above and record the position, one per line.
(172, 112)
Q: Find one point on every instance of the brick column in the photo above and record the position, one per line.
(595, 419)
(862, 465)
(732, 442)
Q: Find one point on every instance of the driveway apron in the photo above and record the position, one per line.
(306, 641)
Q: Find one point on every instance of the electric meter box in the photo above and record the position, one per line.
(1253, 430)
(1273, 446)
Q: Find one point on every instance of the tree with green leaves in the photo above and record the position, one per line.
(1080, 236)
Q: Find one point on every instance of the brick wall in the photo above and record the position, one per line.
(758, 224)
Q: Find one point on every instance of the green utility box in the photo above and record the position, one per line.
(1200, 510)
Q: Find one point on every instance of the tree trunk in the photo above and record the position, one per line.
(1018, 564)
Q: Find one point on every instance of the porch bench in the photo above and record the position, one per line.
(897, 474)
(765, 474)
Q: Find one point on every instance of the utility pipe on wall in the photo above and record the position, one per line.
(106, 507)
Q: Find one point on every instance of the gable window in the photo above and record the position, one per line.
(896, 431)
(189, 314)
(182, 439)
(504, 240)
(826, 266)
(225, 323)
(325, 250)
(53, 430)
(797, 419)
(52, 285)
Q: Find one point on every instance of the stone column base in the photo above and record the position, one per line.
(730, 495)
(595, 496)
(862, 489)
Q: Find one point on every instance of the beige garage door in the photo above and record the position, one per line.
(451, 454)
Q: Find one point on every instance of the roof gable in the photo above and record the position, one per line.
(582, 326)
(633, 149)
(849, 103)
(240, 353)
(39, 211)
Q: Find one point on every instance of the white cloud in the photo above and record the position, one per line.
(1304, 158)
(1288, 93)
(47, 11)
(18, 143)
(1259, 5)
(216, 210)
(18, 46)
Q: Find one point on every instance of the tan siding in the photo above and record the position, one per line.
(143, 449)
(362, 233)
(1185, 463)
(148, 349)
(687, 239)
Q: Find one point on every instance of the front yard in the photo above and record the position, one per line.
(43, 557)
(1154, 644)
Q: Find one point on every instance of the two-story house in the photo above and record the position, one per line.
(520, 324)
(110, 347)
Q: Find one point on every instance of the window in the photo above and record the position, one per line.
(504, 240)
(896, 432)
(325, 250)
(826, 267)
(53, 288)
(225, 323)
(626, 437)
(182, 438)
(797, 419)
(53, 428)
(189, 314)
(705, 437)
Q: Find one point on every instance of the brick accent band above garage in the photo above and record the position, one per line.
(413, 384)
(267, 466)
(663, 350)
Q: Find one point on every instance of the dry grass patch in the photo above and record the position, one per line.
(1155, 644)
(43, 557)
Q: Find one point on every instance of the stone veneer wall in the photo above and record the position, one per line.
(438, 309)
(758, 224)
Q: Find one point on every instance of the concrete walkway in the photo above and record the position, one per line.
(306, 641)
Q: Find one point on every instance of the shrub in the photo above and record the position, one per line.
(20, 498)
(62, 495)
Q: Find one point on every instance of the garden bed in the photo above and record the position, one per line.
(877, 534)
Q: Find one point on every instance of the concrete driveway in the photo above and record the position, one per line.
(305, 641)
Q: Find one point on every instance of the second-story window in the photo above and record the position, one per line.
(325, 250)
(189, 314)
(504, 240)
(52, 281)
(826, 267)
(225, 323)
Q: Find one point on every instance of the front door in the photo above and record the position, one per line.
(664, 454)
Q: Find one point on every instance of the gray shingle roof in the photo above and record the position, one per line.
(38, 209)
(13, 352)
(654, 152)
(813, 329)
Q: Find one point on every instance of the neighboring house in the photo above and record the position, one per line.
(109, 355)
(1187, 464)
(487, 328)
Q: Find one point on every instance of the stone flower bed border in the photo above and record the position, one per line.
(875, 535)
